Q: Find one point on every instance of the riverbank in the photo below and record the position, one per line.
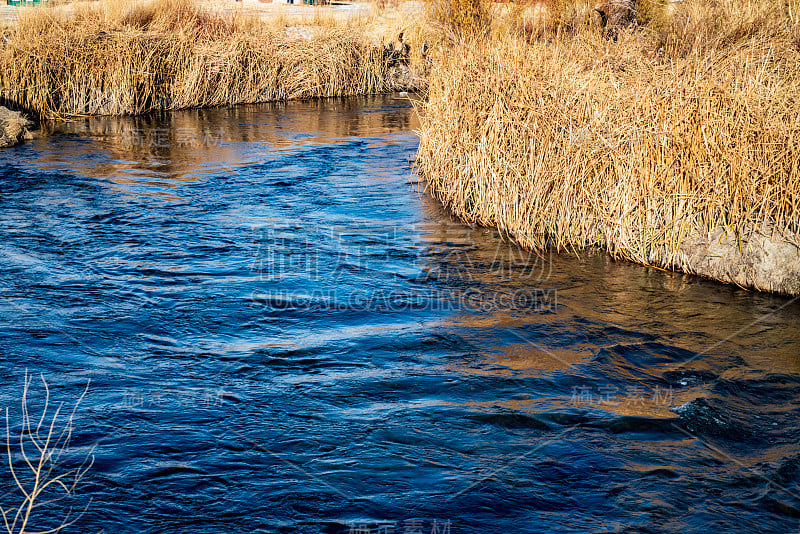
(675, 144)
(128, 58)
(670, 140)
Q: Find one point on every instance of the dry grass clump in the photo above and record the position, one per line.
(631, 145)
(460, 18)
(702, 26)
(123, 57)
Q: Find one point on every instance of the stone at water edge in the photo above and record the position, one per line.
(13, 128)
(759, 258)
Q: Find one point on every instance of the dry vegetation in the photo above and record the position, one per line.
(647, 132)
(42, 469)
(125, 57)
(683, 123)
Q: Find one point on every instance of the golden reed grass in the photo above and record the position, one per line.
(122, 57)
(634, 145)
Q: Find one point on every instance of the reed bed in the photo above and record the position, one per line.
(669, 136)
(122, 57)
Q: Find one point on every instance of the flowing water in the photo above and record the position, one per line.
(283, 334)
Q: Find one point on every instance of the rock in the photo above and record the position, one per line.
(400, 75)
(756, 258)
(404, 78)
(616, 15)
(13, 128)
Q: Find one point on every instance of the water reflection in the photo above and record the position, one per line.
(153, 155)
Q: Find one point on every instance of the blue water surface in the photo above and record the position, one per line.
(282, 332)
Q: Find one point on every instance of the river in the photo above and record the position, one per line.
(282, 333)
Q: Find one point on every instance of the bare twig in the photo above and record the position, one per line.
(40, 451)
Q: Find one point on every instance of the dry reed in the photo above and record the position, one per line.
(635, 145)
(121, 57)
